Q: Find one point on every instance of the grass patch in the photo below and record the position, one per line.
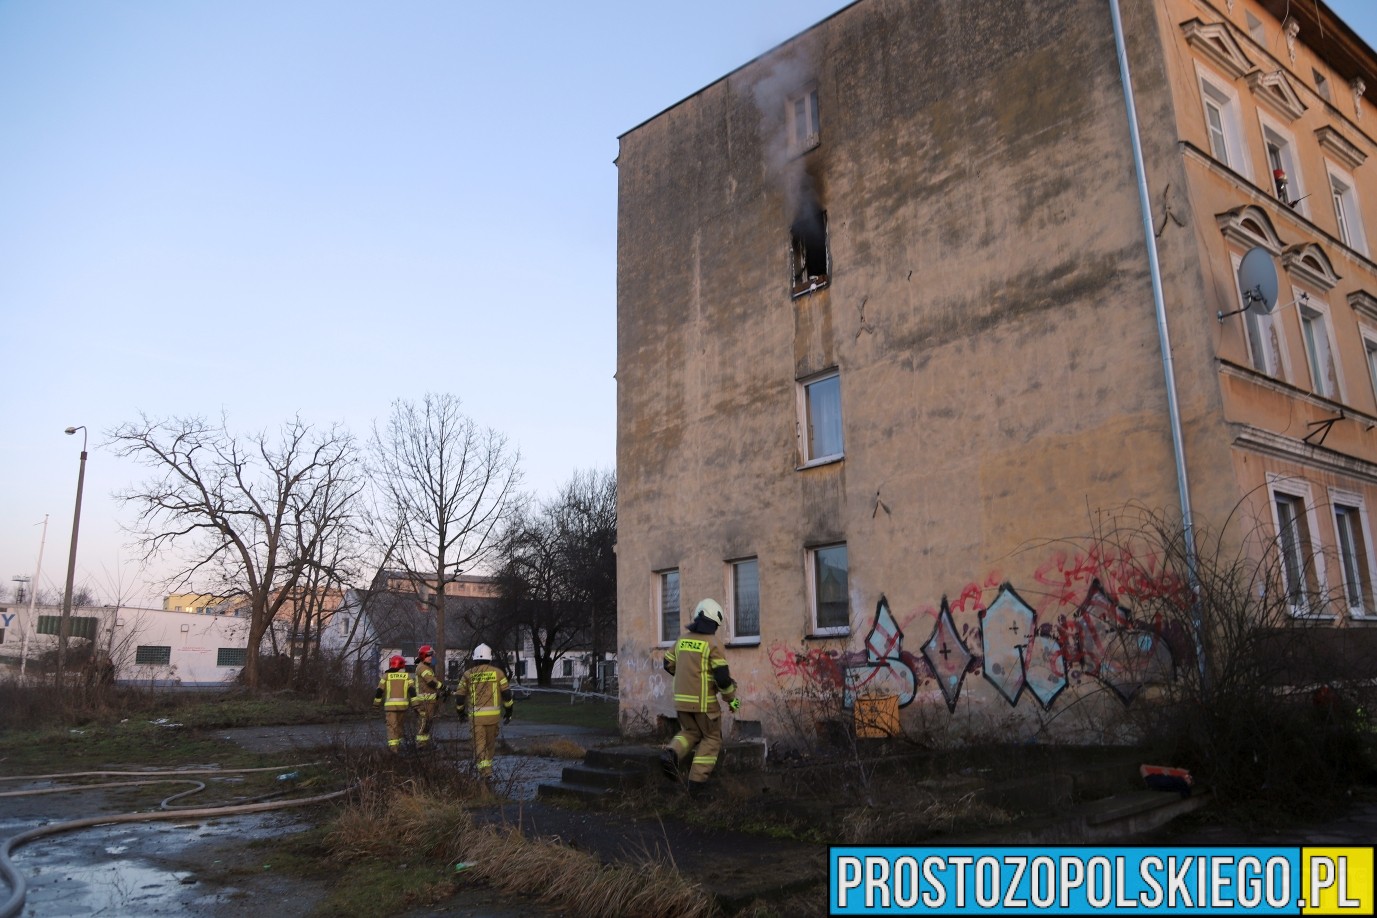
(600, 714)
(133, 743)
(396, 847)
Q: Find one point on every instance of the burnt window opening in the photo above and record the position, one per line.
(809, 252)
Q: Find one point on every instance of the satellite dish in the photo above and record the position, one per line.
(1257, 278)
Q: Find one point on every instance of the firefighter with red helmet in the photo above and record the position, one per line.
(428, 691)
(396, 694)
(700, 673)
(484, 693)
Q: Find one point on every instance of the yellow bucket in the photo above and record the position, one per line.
(877, 716)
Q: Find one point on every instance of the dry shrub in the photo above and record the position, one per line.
(400, 821)
(576, 881)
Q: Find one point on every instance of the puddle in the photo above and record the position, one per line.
(125, 870)
(156, 868)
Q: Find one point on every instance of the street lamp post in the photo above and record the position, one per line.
(64, 630)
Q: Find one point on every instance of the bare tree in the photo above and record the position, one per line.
(445, 487)
(249, 513)
(559, 571)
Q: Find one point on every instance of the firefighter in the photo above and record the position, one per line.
(700, 674)
(396, 693)
(429, 688)
(483, 692)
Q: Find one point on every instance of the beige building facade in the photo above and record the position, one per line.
(889, 349)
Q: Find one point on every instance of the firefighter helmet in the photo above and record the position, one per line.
(425, 651)
(481, 654)
(397, 661)
(711, 610)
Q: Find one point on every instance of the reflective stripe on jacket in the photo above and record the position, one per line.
(486, 692)
(694, 661)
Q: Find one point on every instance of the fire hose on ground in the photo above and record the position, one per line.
(166, 811)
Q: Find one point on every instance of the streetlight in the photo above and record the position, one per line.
(65, 628)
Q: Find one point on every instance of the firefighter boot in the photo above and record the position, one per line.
(669, 764)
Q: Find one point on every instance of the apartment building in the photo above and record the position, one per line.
(895, 330)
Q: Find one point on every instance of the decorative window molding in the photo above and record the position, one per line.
(1359, 87)
(1308, 263)
(1338, 146)
(1291, 29)
(1364, 304)
(1275, 91)
(1248, 226)
(1214, 41)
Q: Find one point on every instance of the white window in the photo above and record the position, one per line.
(745, 594)
(1263, 332)
(667, 604)
(1346, 213)
(1222, 123)
(829, 590)
(1300, 568)
(1282, 167)
(1324, 372)
(1351, 537)
(820, 423)
(1370, 350)
(805, 128)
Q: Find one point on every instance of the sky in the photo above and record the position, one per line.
(261, 210)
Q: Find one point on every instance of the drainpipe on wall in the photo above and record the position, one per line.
(1164, 337)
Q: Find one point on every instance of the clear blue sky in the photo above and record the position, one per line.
(270, 208)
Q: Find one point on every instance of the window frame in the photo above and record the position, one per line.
(733, 581)
(801, 280)
(1347, 209)
(143, 651)
(1306, 559)
(1365, 559)
(814, 574)
(806, 98)
(222, 653)
(1296, 197)
(1369, 338)
(1314, 316)
(805, 388)
(659, 579)
(1216, 89)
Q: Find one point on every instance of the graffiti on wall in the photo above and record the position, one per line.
(1079, 633)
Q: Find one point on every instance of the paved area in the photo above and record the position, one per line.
(1355, 827)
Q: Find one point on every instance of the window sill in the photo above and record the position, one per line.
(744, 642)
(815, 463)
(829, 635)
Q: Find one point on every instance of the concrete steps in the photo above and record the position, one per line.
(613, 770)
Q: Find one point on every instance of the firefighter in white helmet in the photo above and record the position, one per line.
(483, 692)
(395, 695)
(700, 674)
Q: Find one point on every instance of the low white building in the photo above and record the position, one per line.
(146, 646)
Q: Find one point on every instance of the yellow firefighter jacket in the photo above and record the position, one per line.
(396, 689)
(426, 683)
(700, 672)
(485, 690)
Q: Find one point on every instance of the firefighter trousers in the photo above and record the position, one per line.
(701, 735)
